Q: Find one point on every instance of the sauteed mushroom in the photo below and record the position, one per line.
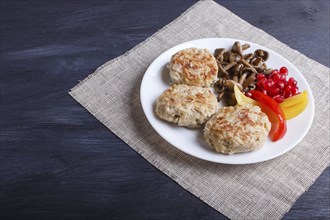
(249, 80)
(245, 46)
(234, 57)
(264, 55)
(238, 68)
(222, 72)
(248, 57)
(218, 54)
(229, 98)
(237, 48)
(230, 65)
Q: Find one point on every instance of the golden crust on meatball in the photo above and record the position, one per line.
(237, 129)
(189, 106)
(195, 67)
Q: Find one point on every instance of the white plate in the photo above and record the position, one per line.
(190, 141)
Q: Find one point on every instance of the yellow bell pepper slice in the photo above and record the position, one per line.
(294, 105)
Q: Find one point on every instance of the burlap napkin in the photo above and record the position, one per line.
(264, 190)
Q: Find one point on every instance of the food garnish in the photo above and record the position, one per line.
(274, 113)
(245, 76)
(242, 99)
(294, 105)
(267, 105)
(276, 85)
(238, 68)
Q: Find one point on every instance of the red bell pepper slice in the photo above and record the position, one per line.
(274, 113)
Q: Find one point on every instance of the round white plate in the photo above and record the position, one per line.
(191, 141)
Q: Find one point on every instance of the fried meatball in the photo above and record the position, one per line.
(188, 106)
(194, 67)
(237, 129)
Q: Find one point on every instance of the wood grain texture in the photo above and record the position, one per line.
(57, 160)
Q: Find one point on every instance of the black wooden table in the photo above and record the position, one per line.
(57, 160)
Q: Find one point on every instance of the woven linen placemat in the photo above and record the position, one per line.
(264, 190)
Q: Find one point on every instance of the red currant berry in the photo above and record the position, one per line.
(294, 90)
(275, 71)
(261, 76)
(284, 71)
(287, 95)
(292, 81)
(287, 89)
(278, 98)
(280, 85)
(268, 84)
(274, 90)
(282, 77)
(276, 77)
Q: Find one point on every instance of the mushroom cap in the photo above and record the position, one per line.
(218, 53)
(264, 55)
(237, 48)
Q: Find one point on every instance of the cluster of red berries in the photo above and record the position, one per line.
(276, 85)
